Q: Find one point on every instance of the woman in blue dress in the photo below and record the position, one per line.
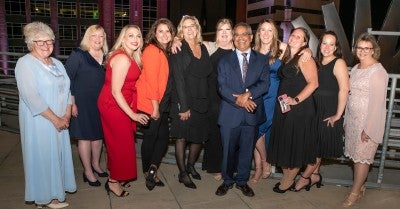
(266, 42)
(44, 113)
(85, 68)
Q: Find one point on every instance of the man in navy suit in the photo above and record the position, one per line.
(243, 77)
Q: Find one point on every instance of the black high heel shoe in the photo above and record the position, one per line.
(91, 183)
(278, 190)
(319, 182)
(150, 182)
(190, 170)
(107, 187)
(104, 174)
(185, 179)
(307, 186)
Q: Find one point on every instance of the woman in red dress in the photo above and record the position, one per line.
(117, 106)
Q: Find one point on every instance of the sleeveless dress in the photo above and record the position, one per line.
(365, 110)
(330, 139)
(293, 140)
(87, 79)
(118, 127)
(270, 100)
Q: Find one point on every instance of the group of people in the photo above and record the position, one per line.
(272, 101)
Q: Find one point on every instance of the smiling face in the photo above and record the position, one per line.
(242, 38)
(132, 39)
(364, 50)
(163, 35)
(96, 40)
(266, 33)
(297, 39)
(224, 33)
(189, 29)
(42, 46)
(328, 45)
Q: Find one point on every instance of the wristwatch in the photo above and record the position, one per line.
(297, 100)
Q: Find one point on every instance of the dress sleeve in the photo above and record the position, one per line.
(27, 86)
(178, 70)
(375, 121)
(72, 66)
(151, 67)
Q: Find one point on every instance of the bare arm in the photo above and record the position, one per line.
(120, 65)
(309, 70)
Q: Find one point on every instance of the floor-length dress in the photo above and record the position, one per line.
(270, 100)
(330, 139)
(365, 110)
(118, 127)
(87, 79)
(48, 165)
(293, 139)
(212, 156)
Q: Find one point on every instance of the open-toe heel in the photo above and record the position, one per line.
(108, 189)
(256, 176)
(266, 169)
(319, 182)
(279, 190)
(307, 186)
(351, 200)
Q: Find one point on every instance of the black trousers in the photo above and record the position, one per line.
(155, 141)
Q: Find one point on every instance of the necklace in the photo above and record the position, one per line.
(97, 55)
(46, 60)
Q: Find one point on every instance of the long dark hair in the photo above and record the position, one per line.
(151, 35)
(336, 53)
(296, 57)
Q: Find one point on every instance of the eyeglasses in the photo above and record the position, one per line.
(241, 35)
(364, 49)
(47, 42)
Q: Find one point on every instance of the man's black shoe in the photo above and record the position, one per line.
(246, 190)
(223, 189)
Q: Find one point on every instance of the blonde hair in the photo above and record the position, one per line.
(137, 54)
(371, 39)
(179, 34)
(34, 30)
(220, 23)
(275, 51)
(89, 32)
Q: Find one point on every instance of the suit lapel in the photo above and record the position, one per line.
(236, 66)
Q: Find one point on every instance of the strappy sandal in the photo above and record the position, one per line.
(107, 187)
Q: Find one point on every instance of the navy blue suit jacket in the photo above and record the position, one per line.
(230, 82)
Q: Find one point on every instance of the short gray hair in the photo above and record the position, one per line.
(34, 30)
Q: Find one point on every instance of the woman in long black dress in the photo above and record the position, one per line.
(86, 72)
(191, 69)
(212, 156)
(330, 99)
(292, 144)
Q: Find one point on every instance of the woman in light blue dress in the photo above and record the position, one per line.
(44, 113)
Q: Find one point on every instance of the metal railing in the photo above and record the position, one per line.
(387, 156)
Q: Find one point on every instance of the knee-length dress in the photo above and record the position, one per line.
(87, 79)
(365, 110)
(293, 140)
(330, 139)
(118, 127)
(270, 101)
(47, 157)
(190, 92)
